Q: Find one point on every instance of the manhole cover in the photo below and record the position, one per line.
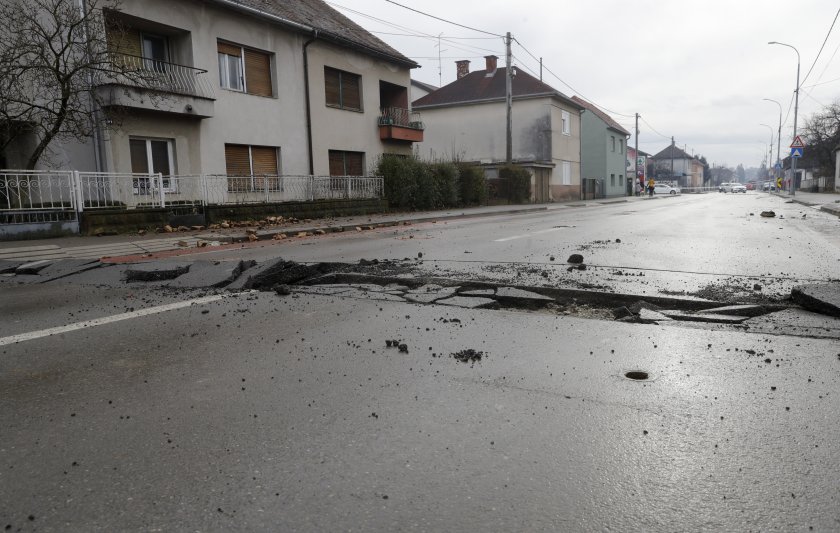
(636, 375)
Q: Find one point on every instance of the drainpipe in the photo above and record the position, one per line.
(308, 102)
(98, 151)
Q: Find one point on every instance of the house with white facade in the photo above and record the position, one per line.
(466, 120)
(242, 93)
(678, 167)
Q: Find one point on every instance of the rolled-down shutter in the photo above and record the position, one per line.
(354, 163)
(351, 94)
(264, 160)
(332, 86)
(237, 160)
(258, 73)
(336, 163)
(229, 49)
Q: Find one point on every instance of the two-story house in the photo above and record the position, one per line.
(603, 150)
(466, 120)
(246, 89)
(675, 165)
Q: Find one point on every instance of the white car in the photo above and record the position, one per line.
(739, 187)
(732, 187)
(662, 188)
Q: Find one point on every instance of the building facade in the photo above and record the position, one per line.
(603, 151)
(245, 88)
(466, 120)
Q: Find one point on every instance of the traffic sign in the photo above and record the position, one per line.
(797, 142)
(778, 166)
(796, 152)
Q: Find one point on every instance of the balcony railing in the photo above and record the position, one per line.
(397, 116)
(157, 75)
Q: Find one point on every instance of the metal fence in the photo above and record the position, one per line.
(40, 196)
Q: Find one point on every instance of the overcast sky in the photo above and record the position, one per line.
(696, 70)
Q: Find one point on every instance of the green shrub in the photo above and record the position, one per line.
(474, 190)
(414, 184)
(517, 183)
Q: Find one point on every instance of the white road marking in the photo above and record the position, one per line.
(108, 320)
(528, 235)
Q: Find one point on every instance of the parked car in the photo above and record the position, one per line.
(750, 185)
(732, 187)
(664, 188)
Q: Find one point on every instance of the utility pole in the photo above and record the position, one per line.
(636, 162)
(540, 69)
(509, 99)
(673, 147)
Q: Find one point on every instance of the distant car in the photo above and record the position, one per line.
(750, 186)
(662, 188)
(732, 187)
(739, 187)
(725, 187)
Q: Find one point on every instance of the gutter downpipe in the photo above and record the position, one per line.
(98, 149)
(308, 101)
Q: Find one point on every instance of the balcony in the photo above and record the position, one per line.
(398, 124)
(155, 85)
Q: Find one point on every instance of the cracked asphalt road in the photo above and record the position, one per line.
(259, 411)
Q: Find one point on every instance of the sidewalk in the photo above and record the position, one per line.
(828, 202)
(86, 247)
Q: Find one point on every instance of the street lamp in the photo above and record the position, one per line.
(769, 161)
(795, 113)
(779, 135)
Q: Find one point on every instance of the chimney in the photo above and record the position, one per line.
(463, 67)
(491, 64)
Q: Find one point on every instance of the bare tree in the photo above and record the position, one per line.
(822, 131)
(53, 56)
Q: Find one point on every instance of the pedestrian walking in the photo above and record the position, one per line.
(650, 185)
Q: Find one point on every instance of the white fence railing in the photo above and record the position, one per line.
(23, 193)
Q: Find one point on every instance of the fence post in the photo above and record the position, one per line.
(76, 191)
(311, 193)
(205, 199)
(160, 188)
(265, 186)
(347, 188)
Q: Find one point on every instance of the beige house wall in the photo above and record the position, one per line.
(193, 29)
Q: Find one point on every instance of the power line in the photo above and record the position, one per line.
(443, 20)
(821, 47)
(653, 129)
(423, 35)
(569, 86)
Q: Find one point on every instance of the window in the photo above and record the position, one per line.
(155, 52)
(565, 119)
(245, 70)
(612, 142)
(347, 163)
(566, 173)
(251, 168)
(612, 180)
(621, 146)
(343, 89)
(151, 156)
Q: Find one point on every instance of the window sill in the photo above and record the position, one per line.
(345, 108)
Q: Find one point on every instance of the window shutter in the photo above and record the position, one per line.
(332, 86)
(229, 49)
(237, 160)
(336, 163)
(139, 159)
(265, 160)
(258, 73)
(355, 163)
(350, 91)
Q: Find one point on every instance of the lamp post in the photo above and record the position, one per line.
(795, 113)
(779, 135)
(770, 160)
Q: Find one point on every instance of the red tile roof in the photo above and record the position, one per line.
(600, 114)
(307, 15)
(477, 87)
